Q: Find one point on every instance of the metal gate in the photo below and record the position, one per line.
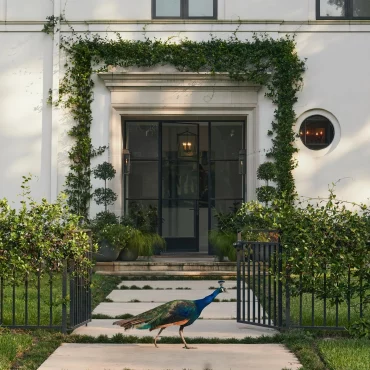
(259, 289)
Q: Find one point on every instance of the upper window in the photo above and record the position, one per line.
(343, 9)
(184, 9)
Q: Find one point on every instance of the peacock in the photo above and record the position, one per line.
(178, 312)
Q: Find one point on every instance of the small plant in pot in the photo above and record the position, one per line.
(145, 220)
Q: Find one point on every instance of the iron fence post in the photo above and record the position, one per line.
(64, 299)
(287, 291)
(239, 253)
(280, 285)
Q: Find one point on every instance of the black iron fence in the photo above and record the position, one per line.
(269, 295)
(60, 301)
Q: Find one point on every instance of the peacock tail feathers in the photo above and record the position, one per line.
(169, 313)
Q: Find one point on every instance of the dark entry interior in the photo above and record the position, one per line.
(181, 173)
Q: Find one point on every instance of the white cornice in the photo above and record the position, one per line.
(116, 81)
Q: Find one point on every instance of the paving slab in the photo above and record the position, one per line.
(221, 329)
(193, 284)
(170, 357)
(218, 310)
(163, 296)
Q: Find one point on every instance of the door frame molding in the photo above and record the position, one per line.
(166, 94)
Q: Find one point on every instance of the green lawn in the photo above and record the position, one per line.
(11, 346)
(346, 354)
(50, 309)
(319, 312)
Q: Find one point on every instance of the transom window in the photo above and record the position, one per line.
(184, 9)
(343, 9)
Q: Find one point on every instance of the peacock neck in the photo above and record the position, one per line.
(204, 302)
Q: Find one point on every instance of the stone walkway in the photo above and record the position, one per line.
(218, 322)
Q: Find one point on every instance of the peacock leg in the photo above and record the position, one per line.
(183, 339)
(155, 340)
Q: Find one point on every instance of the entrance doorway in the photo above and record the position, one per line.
(182, 174)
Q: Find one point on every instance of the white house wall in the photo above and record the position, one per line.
(337, 81)
(25, 118)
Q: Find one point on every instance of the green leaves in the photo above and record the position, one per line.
(322, 236)
(263, 61)
(39, 237)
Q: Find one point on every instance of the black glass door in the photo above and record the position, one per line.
(180, 185)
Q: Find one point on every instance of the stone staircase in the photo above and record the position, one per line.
(190, 264)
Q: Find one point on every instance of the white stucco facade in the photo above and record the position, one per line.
(33, 135)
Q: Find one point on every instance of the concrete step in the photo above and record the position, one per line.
(74, 356)
(221, 310)
(205, 274)
(173, 284)
(163, 296)
(221, 329)
(162, 266)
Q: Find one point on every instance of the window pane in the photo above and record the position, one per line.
(144, 214)
(200, 8)
(332, 8)
(226, 181)
(180, 179)
(361, 8)
(223, 207)
(142, 139)
(168, 8)
(143, 180)
(178, 218)
(227, 140)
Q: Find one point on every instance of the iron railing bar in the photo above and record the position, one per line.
(300, 300)
(64, 298)
(254, 283)
(1, 300)
(349, 296)
(280, 285)
(13, 300)
(361, 298)
(249, 282)
(243, 291)
(238, 285)
(269, 286)
(259, 285)
(264, 284)
(324, 300)
(51, 299)
(38, 298)
(26, 301)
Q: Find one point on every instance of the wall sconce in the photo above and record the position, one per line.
(242, 161)
(126, 162)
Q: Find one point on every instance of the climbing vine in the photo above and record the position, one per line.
(263, 61)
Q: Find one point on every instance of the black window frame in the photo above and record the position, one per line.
(184, 11)
(347, 16)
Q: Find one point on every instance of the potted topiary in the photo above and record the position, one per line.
(107, 251)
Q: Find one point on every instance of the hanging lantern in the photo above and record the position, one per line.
(187, 144)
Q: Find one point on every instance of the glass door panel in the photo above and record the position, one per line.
(180, 185)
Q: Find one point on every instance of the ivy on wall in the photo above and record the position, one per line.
(263, 61)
